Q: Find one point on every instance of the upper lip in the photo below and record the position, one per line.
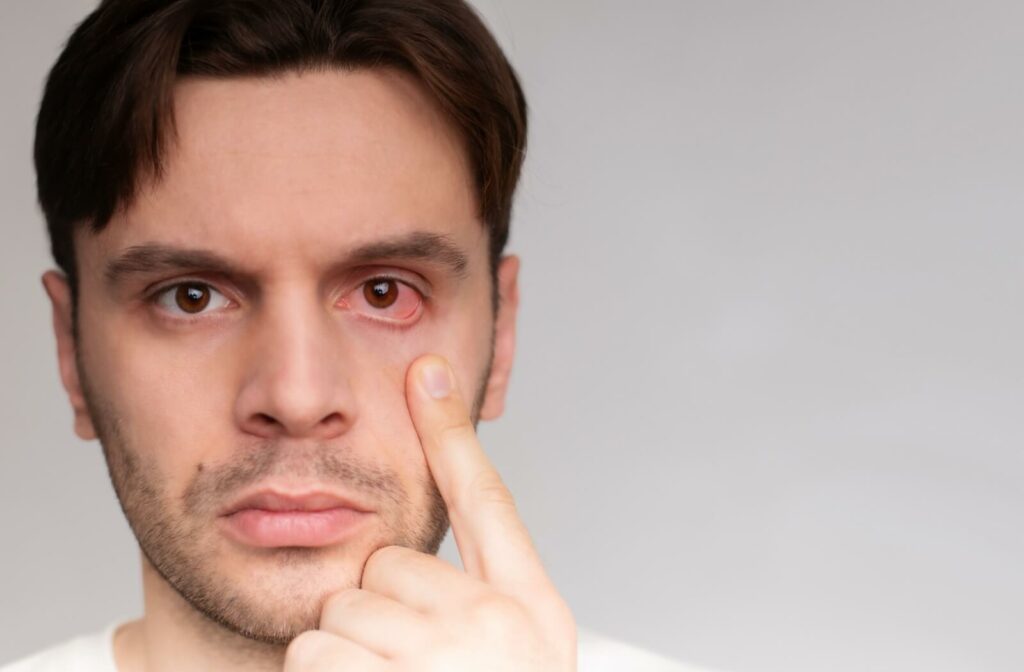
(277, 500)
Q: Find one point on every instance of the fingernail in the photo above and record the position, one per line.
(437, 380)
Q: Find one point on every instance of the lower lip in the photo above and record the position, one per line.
(267, 529)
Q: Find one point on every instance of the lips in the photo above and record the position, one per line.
(274, 500)
(272, 518)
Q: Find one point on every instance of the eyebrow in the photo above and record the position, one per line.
(150, 258)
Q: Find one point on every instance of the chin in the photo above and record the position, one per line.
(275, 602)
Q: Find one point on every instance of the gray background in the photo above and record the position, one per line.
(766, 414)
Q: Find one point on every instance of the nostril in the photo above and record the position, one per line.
(332, 424)
(265, 420)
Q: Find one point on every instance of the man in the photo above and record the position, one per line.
(282, 307)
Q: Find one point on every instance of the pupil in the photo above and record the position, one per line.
(192, 298)
(381, 294)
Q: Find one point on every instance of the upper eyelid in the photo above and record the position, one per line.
(364, 274)
(159, 287)
(160, 290)
(163, 289)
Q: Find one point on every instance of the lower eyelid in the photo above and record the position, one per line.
(397, 325)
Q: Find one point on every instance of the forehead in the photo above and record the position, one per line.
(302, 164)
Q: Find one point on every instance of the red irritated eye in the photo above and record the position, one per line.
(385, 299)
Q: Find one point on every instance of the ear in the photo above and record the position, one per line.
(57, 288)
(504, 338)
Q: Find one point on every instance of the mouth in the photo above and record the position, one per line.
(280, 501)
(273, 518)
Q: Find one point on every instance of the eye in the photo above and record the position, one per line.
(189, 298)
(386, 299)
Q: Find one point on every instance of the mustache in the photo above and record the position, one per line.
(333, 466)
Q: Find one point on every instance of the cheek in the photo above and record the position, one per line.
(383, 358)
(167, 399)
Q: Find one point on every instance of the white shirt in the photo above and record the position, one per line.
(95, 653)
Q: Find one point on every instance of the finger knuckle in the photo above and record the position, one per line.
(488, 488)
(457, 432)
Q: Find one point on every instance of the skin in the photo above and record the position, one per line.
(204, 383)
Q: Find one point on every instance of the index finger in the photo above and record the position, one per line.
(492, 539)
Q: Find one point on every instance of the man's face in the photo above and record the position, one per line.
(249, 321)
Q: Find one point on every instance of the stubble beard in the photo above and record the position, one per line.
(174, 544)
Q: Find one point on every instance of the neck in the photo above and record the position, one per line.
(172, 635)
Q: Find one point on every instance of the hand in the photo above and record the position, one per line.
(414, 611)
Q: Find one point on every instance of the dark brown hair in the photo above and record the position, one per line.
(107, 108)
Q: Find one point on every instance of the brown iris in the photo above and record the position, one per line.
(381, 293)
(192, 298)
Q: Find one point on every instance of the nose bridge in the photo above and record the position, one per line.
(295, 383)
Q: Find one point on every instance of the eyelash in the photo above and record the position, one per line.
(154, 298)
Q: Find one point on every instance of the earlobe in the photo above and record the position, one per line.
(57, 288)
(504, 338)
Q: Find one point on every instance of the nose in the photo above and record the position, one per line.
(295, 381)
